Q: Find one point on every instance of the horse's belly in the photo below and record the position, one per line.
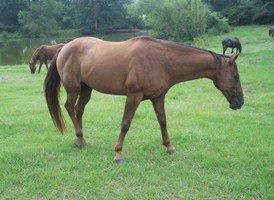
(107, 88)
(109, 83)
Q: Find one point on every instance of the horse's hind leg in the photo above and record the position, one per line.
(159, 108)
(72, 95)
(84, 98)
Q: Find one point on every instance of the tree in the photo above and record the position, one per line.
(176, 19)
(41, 18)
(243, 12)
(9, 10)
(96, 16)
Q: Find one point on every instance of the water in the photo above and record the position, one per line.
(19, 51)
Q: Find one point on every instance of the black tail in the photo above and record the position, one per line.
(52, 91)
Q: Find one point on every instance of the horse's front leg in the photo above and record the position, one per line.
(41, 62)
(159, 108)
(232, 50)
(224, 50)
(132, 102)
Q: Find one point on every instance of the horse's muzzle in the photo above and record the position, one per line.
(236, 103)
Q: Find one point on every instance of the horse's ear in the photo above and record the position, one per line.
(233, 57)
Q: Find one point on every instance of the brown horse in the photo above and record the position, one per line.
(140, 68)
(43, 53)
(271, 31)
(232, 43)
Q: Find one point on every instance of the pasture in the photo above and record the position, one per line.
(221, 153)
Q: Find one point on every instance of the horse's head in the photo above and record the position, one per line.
(228, 81)
(32, 67)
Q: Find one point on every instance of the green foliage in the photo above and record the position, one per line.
(178, 19)
(41, 18)
(9, 10)
(240, 13)
(174, 19)
(221, 154)
(217, 24)
(245, 11)
(99, 16)
(264, 14)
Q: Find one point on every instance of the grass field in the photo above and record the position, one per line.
(221, 153)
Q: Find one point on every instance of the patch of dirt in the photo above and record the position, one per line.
(8, 78)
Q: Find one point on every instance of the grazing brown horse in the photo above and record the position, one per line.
(43, 53)
(140, 68)
(232, 43)
(271, 31)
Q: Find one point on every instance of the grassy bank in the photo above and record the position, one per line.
(221, 153)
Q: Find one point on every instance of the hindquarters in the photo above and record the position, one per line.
(237, 44)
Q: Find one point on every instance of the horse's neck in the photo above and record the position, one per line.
(194, 64)
(34, 57)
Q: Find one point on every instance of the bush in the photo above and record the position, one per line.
(217, 24)
(178, 19)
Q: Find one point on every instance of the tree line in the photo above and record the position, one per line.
(183, 19)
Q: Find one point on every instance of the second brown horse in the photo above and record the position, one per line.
(140, 68)
(43, 53)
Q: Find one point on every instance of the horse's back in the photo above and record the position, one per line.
(111, 67)
(47, 52)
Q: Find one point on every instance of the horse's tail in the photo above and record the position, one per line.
(52, 90)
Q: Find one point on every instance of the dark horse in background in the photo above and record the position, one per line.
(271, 31)
(141, 68)
(232, 43)
(43, 54)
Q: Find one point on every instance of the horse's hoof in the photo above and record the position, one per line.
(80, 143)
(171, 150)
(118, 159)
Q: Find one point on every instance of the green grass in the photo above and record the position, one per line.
(221, 153)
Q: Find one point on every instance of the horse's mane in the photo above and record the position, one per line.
(35, 55)
(217, 57)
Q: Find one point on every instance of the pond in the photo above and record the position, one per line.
(19, 51)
